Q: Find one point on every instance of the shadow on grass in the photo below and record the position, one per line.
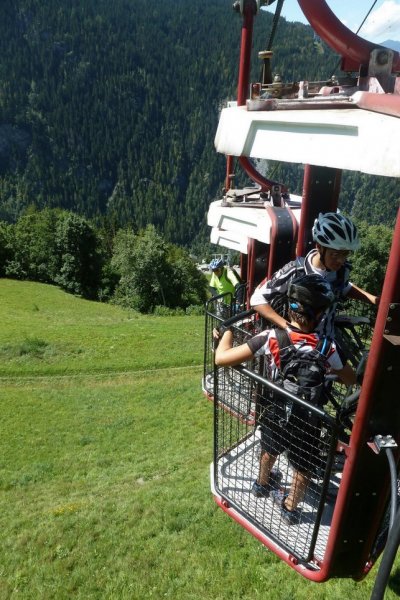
(394, 581)
(29, 346)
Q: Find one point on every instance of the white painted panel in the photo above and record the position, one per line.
(338, 138)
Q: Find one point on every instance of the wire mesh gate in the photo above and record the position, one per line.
(219, 309)
(309, 441)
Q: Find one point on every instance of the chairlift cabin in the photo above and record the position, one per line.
(351, 123)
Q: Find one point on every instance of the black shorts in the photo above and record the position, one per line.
(298, 437)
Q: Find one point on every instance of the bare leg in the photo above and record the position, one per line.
(267, 461)
(297, 490)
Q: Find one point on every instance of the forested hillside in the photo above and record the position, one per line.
(109, 109)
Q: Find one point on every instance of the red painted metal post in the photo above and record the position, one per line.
(364, 486)
(249, 11)
(321, 186)
(305, 213)
(229, 172)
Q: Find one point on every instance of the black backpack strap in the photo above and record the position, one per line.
(236, 274)
(283, 338)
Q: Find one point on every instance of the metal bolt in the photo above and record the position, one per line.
(382, 58)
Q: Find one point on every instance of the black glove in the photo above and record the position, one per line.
(223, 328)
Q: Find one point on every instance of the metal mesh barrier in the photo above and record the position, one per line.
(238, 390)
(218, 309)
(353, 334)
(354, 325)
(304, 447)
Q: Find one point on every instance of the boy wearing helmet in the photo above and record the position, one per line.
(223, 279)
(309, 296)
(336, 237)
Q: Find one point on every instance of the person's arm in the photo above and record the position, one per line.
(267, 290)
(347, 375)
(357, 293)
(212, 290)
(226, 356)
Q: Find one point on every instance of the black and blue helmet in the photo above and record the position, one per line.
(311, 291)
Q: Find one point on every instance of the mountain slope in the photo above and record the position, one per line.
(393, 44)
(110, 109)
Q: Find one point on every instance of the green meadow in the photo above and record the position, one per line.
(105, 447)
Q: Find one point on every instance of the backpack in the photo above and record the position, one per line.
(302, 374)
(280, 303)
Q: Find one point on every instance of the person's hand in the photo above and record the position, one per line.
(215, 333)
(377, 299)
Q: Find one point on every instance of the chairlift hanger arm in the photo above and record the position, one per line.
(354, 50)
(248, 9)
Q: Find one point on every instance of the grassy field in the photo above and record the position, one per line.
(106, 441)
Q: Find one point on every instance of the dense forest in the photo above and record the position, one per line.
(109, 109)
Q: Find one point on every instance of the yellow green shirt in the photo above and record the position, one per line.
(226, 283)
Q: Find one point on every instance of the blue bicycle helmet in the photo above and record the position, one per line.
(216, 263)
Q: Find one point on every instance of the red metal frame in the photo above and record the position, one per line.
(354, 50)
(321, 186)
(249, 12)
(266, 541)
(370, 407)
(266, 184)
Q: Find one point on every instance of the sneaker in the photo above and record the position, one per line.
(291, 517)
(275, 478)
(263, 491)
(260, 491)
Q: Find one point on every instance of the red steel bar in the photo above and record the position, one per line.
(354, 49)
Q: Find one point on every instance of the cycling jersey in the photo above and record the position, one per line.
(227, 282)
(268, 291)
